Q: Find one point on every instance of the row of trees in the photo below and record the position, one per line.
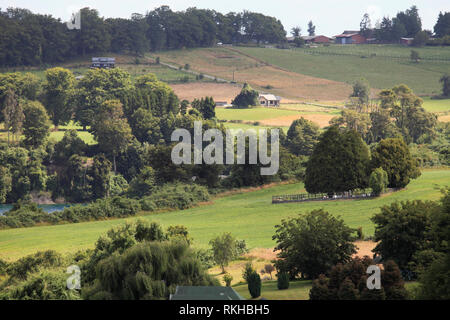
(132, 123)
(33, 39)
(341, 162)
(372, 119)
(405, 24)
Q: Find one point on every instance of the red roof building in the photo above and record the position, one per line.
(350, 37)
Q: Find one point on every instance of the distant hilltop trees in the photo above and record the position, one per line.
(32, 39)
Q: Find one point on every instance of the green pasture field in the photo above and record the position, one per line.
(383, 50)
(57, 136)
(263, 113)
(163, 73)
(249, 216)
(382, 72)
(244, 126)
(439, 106)
(252, 114)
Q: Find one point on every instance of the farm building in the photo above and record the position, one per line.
(316, 39)
(406, 41)
(103, 63)
(269, 100)
(350, 37)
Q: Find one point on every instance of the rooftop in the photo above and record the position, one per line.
(270, 97)
(205, 293)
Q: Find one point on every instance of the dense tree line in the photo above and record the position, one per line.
(132, 122)
(407, 24)
(33, 39)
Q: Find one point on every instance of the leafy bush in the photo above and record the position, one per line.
(25, 214)
(227, 278)
(254, 285)
(206, 258)
(349, 282)
(283, 281)
(21, 268)
(176, 196)
(47, 285)
(307, 244)
(248, 270)
(378, 181)
(148, 270)
(3, 267)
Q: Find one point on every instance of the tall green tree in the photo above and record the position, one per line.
(378, 181)
(246, 98)
(98, 86)
(445, 80)
(111, 129)
(206, 106)
(339, 162)
(224, 249)
(310, 244)
(394, 157)
(365, 26)
(59, 95)
(5, 183)
(13, 115)
(36, 124)
(100, 173)
(174, 264)
(411, 21)
(302, 137)
(311, 29)
(143, 184)
(93, 37)
(400, 230)
(442, 26)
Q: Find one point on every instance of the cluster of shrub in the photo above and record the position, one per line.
(172, 196)
(133, 261)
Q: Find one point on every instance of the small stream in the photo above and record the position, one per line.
(46, 207)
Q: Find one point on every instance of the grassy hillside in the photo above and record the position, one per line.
(135, 67)
(230, 64)
(349, 63)
(86, 136)
(249, 216)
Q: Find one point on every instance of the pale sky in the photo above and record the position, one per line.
(331, 17)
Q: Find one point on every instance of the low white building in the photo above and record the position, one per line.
(269, 100)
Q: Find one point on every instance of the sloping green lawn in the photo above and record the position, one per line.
(250, 216)
(381, 72)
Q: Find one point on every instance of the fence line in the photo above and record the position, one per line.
(304, 197)
(370, 55)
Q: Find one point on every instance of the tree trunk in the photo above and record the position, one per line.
(114, 161)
